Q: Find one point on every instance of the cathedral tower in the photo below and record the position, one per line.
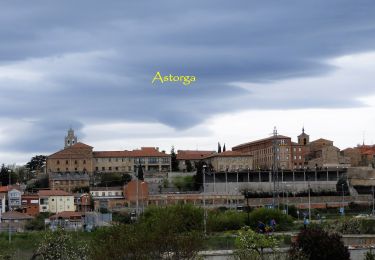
(70, 139)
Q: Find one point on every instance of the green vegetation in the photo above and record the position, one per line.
(114, 179)
(251, 245)
(317, 244)
(38, 222)
(283, 222)
(183, 183)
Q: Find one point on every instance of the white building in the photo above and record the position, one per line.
(55, 201)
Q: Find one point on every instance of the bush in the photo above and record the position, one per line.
(315, 243)
(38, 222)
(283, 222)
(352, 226)
(225, 220)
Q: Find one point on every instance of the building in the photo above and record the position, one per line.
(361, 156)
(14, 198)
(70, 139)
(2, 203)
(132, 194)
(151, 159)
(69, 220)
(77, 158)
(108, 197)
(82, 202)
(263, 152)
(185, 157)
(229, 161)
(280, 150)
(69, 182)
(80, 158)
(55, 201)
(30, 204)
(14, 220)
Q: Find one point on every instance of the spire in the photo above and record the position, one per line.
(303, 129)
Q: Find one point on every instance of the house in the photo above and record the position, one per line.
(14, 220)
(14, 197)
(82, 202)
(30, 204)
(55, 201)
(69, 220)
(108, 197)
(132, 194)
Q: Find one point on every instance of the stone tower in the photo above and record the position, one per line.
(70, 139)
(303, 139)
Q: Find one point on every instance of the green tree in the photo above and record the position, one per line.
(342, 185)
(189, 166)
(251, 245)
(60, 245)
(174, 162)
(4, 175)
(36, 163)
(198, 177)
(174, 232)
(317, 244)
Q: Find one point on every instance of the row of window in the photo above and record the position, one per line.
(67, 162)
(110, 193)
(233, 167)
(150, 160)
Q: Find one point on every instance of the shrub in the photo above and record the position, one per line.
(315, 243)
(283, 222)
(227, 220)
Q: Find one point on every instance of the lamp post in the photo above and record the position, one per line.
(10, 209)
(226, 184)
(373, 202)
(308, 185)
(204, 201)
(342, 190)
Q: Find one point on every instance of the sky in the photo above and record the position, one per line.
(258, 64)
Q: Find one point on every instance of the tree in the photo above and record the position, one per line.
(174, 232)
(317, 244)
(218, 148)
(189, 166)
(198, 177)
(36, 163)
(174, 162)
(251, 245)
(4, 176)
(224, 148)
(60, 245)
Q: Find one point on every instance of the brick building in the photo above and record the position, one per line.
(68, 181)
(30, 204)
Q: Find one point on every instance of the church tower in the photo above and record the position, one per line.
(303, 139)
(70, 139)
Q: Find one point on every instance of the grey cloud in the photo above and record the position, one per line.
(217, 41)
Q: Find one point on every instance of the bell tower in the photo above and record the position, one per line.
(303, 139)
(70, 139)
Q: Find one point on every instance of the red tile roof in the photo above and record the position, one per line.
(54, 193)
(228, 154)
(143, 152)
(8, 188)
(15, 215)
(76, 151)
(192, 155)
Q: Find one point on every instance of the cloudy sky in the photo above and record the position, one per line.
(258, 64)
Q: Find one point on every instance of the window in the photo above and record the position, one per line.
(129, 168)
(58, 169)
(75, 162)
(295, 157)
(110, 168)
(84, 161)
(58, 162)
(116, 168)
(103, 168)
(110, 193)
(299, 149)
(294, 149)
(97, 168)
(66, 162)
(96, 193)
(116, 160)
(300, 157)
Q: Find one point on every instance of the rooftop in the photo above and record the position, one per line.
(192, 155)
(228, 154)
(261, 140)
(15, 215)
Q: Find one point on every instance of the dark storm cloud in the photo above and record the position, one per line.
(97, 58)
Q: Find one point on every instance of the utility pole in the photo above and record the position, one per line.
(274, 165)
(204, 201)
(10, 209)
